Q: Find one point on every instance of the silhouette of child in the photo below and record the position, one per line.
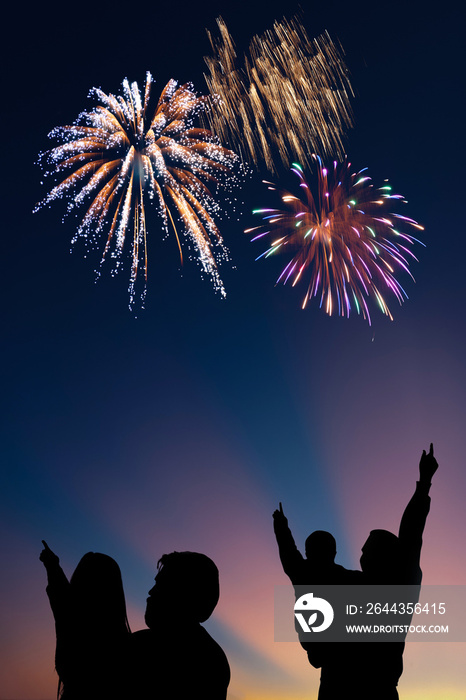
(91, 625)
(318, 567)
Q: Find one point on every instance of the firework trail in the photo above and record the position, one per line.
(343, 241)
(119, 157)
(290, 98)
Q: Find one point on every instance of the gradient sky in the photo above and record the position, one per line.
(184, 427)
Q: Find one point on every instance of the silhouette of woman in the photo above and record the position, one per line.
(91, 627)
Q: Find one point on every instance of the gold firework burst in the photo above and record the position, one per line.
(289, 97)
(120, 156)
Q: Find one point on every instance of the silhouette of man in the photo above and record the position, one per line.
(176, 657)
(371, 671)
(387, 559)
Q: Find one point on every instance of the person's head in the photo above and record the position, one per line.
(97, 591)
(186, 587)
(380, 556)
(321, 548)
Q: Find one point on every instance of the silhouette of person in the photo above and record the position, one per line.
(387, 559)
(318, 566)
(371, 671)
(176, 657)
(92, 630)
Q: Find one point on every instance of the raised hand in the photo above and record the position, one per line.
(279, 515)
(428, 465)
(47, 557)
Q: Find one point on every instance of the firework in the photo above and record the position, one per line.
(120, 156)
(288, 98)
(343, 241)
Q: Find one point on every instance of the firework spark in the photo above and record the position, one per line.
(119, 157)
(343, 241)
(290, 99)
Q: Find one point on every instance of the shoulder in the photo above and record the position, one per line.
(209, 646)
(211, 661)
(141, 636)
(342, 575)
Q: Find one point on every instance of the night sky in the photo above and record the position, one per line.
(182, 428)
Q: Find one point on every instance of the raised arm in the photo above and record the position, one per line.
(57, 583)
(290, 556)
(416, 512)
